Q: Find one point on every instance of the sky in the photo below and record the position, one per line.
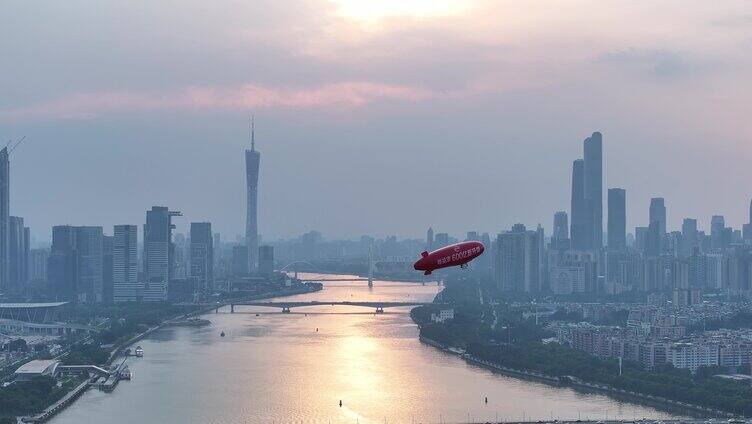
(379, 118)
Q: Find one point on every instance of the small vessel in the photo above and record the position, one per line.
(125, 373)
(139, 351)
(257, 314)
(222, 334)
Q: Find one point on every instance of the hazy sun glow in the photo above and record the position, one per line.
(372, 11)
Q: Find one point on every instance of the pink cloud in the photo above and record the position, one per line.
(249, 96)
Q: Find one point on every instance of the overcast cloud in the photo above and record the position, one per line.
(458, 115)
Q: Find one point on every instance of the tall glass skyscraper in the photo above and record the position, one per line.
(90, 287)
(4, 219)
(587, 196)
(658, 213)
(579, 223)
(593, 155)
(159, 252)
(124, 260)
(252, 161)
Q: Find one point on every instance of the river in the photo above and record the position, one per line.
(295, 368)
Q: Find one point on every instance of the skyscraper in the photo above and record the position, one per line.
(108, 284)
(641, 238)
(240, 260)
(441, 240)
(509, 267)
(202, 255)
(27, 255)
(38, 264)
(560, 235)
(658, 213)
(159, 252)
(252, 162)
(17, 252)
(617, 219)
(90, 268)
(717, 229)
(124, 260)
(579, 208)
(4, 219)
(747, 228)
(689, 237)
(561, 226)
(62, 264)
(429, 239)
(593, 179)
(518, 262)
(266, 261)
(653, 239)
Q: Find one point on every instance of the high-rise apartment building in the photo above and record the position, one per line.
(689, 237)
(202, 255)
(266, 261)
(159, 251)
(617, 219)
(518, 262)
(124, 261)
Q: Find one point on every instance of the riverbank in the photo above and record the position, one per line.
(665, 404)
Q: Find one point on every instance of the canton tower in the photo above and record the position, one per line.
(252, 161)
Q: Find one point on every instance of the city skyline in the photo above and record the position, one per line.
(589, 220)
(468, 211)
(361, 111)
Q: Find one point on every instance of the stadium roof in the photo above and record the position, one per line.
(31, 305)
(37, 366)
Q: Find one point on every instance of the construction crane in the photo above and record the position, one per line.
(16, 145)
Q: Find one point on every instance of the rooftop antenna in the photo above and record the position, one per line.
(253, 134)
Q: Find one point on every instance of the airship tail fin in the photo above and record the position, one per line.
(424, 254)
(427, 273)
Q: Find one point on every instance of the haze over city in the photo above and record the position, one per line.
(373, 118)
(376, 211)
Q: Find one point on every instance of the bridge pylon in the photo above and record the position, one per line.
(370, 267)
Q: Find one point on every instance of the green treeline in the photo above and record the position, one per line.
(471, 330)
(29, 397)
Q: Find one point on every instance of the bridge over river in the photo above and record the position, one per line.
(287, 306)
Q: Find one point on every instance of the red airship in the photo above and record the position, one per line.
(452, 255)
